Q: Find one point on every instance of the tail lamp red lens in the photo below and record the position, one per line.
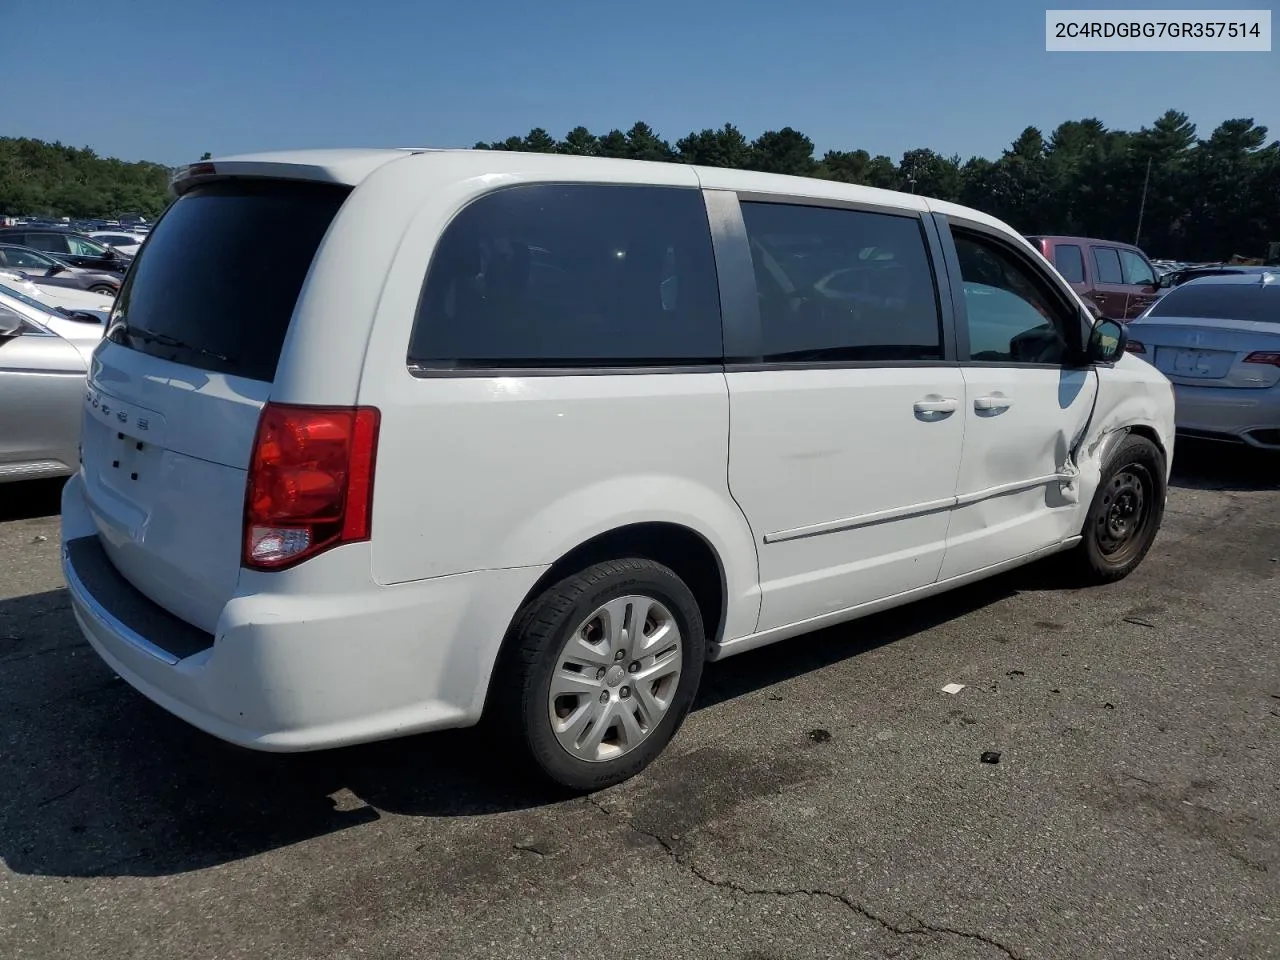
(310, 484)
(1134, 346)
(1264, 356)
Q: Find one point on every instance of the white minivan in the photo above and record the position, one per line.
(528, 438)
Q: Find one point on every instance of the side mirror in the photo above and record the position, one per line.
(10, 323)
(1166, 281)
(1107, 341)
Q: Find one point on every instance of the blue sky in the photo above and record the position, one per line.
(168, 80)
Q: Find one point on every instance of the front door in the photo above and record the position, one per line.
(1027, 403)
(1140, 279)
(846, 430)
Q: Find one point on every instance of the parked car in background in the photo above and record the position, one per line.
(67, 298)
(261, 539)
(126, 243)
(44, 356)
(1188, 272)
(51, 271)
(1217, 338)
(1117, 277)
(72, 248)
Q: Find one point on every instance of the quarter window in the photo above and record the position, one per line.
(842, 285)
(1010, 315)
(1107, 260)
(1069, 261)
(572, 275)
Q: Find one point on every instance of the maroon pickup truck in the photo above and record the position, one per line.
(1116, 277)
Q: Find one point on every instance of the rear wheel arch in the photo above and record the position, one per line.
(685, 551)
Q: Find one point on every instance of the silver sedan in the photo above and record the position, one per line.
(1218, 340)
(44, 354)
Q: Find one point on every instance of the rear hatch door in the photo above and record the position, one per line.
(175, 390)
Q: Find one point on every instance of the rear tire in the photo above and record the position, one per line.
(599, 672)
(1125, 515)
(104, 290)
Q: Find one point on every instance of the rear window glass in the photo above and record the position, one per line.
(216, 284)
(1222, 301)
(1069, 261)
(572, 275)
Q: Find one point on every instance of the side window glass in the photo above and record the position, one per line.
(842, 285)
(1069, 261)
(51, 242)
(572, 275)
(1011, 316)
(24, 258)
(1107, 261)
(1136, 270)
(85, 248)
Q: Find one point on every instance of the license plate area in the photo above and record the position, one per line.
(129, 465)
(1193, 364)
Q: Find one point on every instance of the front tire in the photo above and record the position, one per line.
(599, 673)
(1125, 514)
(104, 290)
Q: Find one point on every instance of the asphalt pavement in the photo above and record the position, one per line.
(824, 799)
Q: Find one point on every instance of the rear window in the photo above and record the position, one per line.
(1222, 301)
(217, 282)
(572, 275)
(1069, 261)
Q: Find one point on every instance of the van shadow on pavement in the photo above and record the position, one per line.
(97, 781)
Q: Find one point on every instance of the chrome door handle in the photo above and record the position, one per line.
(936, 408)
(992, 404)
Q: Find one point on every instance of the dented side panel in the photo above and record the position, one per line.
(1131, 394)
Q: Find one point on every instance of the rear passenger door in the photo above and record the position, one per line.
(1109, 290)
(845, 404)
(1028, 399)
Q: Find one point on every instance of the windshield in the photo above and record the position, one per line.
(1257, 302)
(227, 309)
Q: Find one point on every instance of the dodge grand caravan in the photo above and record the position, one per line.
(527, 439)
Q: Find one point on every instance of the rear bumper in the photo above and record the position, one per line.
(297, 665)
(1250, 416)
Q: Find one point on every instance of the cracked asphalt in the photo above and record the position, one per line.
(825, 798)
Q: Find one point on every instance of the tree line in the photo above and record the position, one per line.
(1206, 198)
(52, 179)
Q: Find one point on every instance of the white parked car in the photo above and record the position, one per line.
(44, 355)
(532, 437)
(68, 298)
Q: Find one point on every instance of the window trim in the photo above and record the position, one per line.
(420, 370)
(743, 327)
(1057, 285)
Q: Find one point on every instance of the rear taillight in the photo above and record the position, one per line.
(1264, 356)
(1134, 346)
(310, 484)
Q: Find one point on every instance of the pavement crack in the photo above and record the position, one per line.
(58, 796)
(921, 928)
